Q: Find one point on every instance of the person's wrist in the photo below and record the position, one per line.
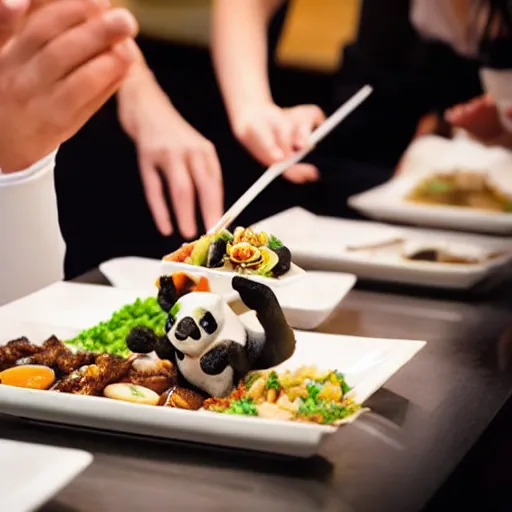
(244, 111)
(18, 168)
(139, 86)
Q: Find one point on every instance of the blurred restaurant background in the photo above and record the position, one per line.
(306, 43)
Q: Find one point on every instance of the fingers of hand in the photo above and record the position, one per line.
(49, 22)
(154, 192)
(305, 118)
(76, 47)
(260, 141)
(182, 192)
(464, 113)
(302, 173)
(11, 12)
(282, 128)
(92, 83)
(207, 175)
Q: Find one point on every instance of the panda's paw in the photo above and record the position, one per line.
(255, 296)
(239, 358)
(167, 294)
(141, 340)
(164, 349)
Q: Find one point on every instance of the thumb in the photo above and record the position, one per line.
(11, 12)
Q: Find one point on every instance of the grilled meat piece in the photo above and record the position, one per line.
(182, 398)
(16, 349)
(155, 374)
(50, 351)
(81, 382)
(68, 362)
(55, 354)
(94, 378)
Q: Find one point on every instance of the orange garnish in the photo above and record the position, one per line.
(28, 376)
(181, 254)
(186, 283)
(203, 285)
(183, 282)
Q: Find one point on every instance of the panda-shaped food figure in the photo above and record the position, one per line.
(210, 345)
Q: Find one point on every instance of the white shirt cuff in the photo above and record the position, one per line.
(15, 177)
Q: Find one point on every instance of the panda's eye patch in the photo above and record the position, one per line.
(169, 323)
(208, 323)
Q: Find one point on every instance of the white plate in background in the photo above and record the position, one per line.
(306, 303)
(310, 301)
(367, 363)
(32, 474)
(430, 155)
(141, 273)
(321, 243)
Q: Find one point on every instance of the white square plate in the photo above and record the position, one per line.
(32, 474)
(434, 154)
(322, 242)
(306, 303)
(141, 273)
(367, 363)
(73, 305)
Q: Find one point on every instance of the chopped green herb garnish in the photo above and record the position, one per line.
(328, 411)
(439, 187)
(110, 336)
(135, 391)
(243, 406)
(274, 242)
(313, 389)
(251, 379)
(273, 382)
(345, 388)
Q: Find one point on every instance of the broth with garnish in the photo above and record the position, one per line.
(466, 189)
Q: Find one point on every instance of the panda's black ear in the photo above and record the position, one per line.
(167, 294)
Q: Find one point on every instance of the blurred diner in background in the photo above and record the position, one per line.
(171, 121)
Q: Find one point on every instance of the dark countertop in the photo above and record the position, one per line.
(423, 424)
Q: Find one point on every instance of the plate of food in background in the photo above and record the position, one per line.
(257, 255)
(384, 252)
(452, 184)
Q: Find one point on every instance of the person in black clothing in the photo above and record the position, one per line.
(420, 56)
(103, 213)
(102, 207)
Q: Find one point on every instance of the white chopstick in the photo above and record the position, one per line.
(278, 168)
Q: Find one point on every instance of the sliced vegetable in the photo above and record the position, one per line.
(200, 252)
(131, 393)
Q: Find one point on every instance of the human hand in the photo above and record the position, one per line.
(429, 124)
(11, 15)
(271, 134)
(480, 118)
(64, 61)
(168, 147)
